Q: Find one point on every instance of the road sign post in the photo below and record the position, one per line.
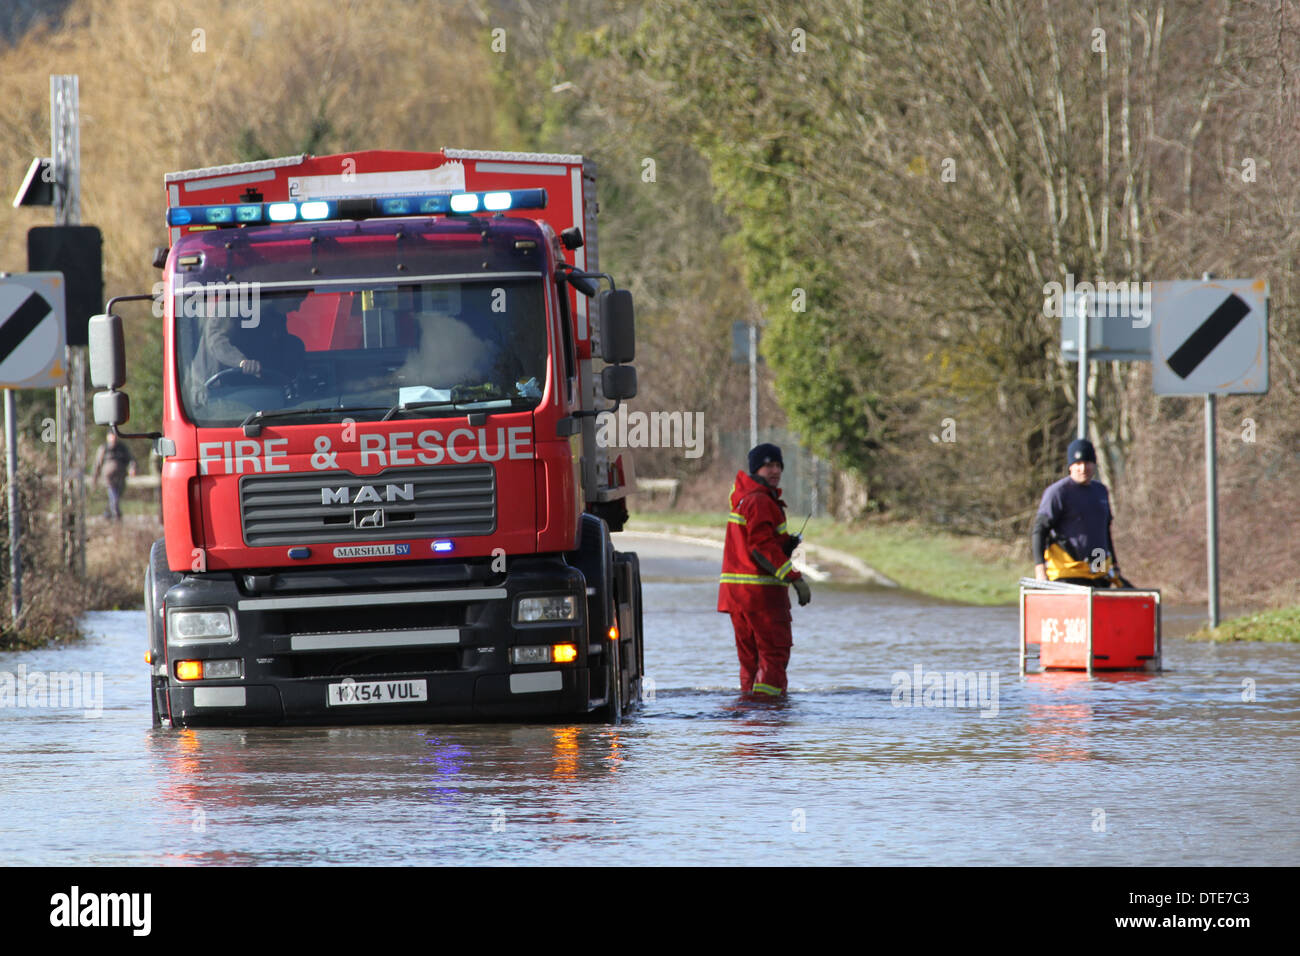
(1211, 511)
(15, 514)
(753, 384)
(744, 349)
(1082, 308)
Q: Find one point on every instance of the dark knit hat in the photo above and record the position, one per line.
(1080, 450)
(760, 455)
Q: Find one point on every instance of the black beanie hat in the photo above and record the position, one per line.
(760, 455)
(1080, 450)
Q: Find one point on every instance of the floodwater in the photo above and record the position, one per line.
(1194, 766)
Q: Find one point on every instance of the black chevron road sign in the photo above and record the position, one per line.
(22, 323)
(32, 333)
(1210, 337)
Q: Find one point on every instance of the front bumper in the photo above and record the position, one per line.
(296, 635)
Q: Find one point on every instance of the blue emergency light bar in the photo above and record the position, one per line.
(370, 207)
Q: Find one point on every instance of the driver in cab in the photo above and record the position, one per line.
(239, 352)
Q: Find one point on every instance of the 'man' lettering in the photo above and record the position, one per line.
(368, 494)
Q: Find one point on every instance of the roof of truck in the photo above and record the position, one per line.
(230, 169)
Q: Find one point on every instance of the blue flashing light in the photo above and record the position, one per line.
(315, 209)
(464, 202)
(282, 211)
(528, 198)
(442, 547)
(434, 204)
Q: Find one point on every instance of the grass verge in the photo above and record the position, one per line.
(54, 598)
(946, 566)
(1279, 625)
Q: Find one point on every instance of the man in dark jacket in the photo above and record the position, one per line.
(1071, 537)
(756, 569)
(114, 461)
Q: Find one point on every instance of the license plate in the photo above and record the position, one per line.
(376, 692)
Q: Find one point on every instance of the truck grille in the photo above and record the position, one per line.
(338, 507)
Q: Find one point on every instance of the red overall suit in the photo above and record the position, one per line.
(755, 598)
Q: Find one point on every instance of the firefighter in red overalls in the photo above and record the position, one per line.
(756, 569)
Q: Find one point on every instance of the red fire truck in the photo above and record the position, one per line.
(383, 496)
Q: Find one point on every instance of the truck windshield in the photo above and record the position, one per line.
(359, 349)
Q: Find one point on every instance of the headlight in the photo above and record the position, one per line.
(197, 627)
(223, 668)
(553, 607)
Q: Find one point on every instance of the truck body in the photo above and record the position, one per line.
(382, 495)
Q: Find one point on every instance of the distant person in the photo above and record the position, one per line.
(756, 569)
(1071, 538)
(115, 461)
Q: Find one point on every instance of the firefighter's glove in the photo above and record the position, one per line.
(801, 588)
(791, 543)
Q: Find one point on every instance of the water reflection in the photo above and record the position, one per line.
(445, 762)
(233, 768)
(1058, 728)
(194, 775)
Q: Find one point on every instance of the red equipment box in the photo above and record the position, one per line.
(1089, 629)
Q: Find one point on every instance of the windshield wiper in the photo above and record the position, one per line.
(252, 424)
(463, 403)
(408, 406)
(486, 405)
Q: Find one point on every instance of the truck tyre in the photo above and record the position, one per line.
(595, 559)
(149, 615)
(158, 580)
(635, 662)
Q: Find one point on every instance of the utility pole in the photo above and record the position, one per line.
(70, 404)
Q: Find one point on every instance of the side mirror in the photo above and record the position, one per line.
(617, 327)
(111, 408)
(107, 354)
(617, 382)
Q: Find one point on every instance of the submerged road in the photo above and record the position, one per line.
(1194, 766)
